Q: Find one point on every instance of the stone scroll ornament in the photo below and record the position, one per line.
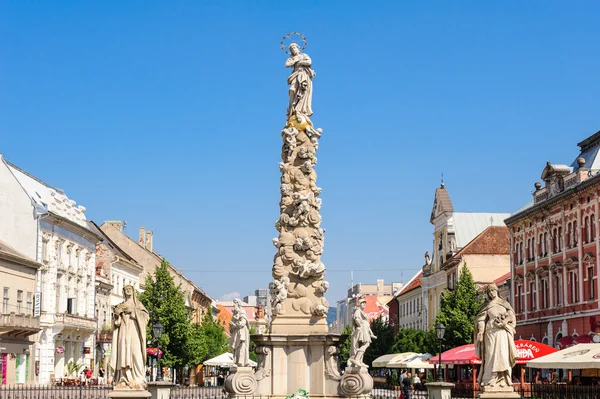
(298, 287)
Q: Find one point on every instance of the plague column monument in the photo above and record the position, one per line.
(298, 352)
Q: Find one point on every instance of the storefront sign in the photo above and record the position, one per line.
(60, 349)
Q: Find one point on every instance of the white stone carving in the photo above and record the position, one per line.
(239, 328)
(128, 357)
(300, 81)
(361, 335)
(495, 327)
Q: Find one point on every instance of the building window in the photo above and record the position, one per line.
(545, 243)
(574, 287)
(519, 299)
(593, 226)
(29, 308)
(558, 290)
(543, 294)
(555, 242)
(70, 305)
(5, 301)
(570, 235)
(586, 225)
(591, 285)
(532, 248)
(560, 239)
(19, 302)
(531, 295)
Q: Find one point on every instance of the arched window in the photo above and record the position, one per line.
(560, 239)
(575, 233)
(540, 245)
(586, 224)
(532, 248)
(555, 240)
(570, 235)
(593, 226)
(545, 243)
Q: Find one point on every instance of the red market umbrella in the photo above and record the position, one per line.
(465, 354)
(529, 350)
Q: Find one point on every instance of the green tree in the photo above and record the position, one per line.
(345, 344)
(410, 340)
(457, 312)
(166, 304)
(216, 340)
(383, 343)
(253, 355)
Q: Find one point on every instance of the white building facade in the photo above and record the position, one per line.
(57, 233)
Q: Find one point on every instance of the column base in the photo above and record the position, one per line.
(356, 383)
(439, 390)
(127, 394)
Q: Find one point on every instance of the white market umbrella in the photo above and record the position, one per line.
(224, 360)
(581, 356)
(383, 361)
(416, 361)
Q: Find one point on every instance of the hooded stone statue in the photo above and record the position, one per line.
(495, 327)
(128, 358)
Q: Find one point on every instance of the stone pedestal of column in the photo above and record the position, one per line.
(439, 390)
(128, 394)
(498, 393)
(240, 382)
(301, 361)
(160, 389)
(356, 383)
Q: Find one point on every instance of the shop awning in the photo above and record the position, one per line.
(582, 356)
(465, 354)
(383, 361)
(570, 340)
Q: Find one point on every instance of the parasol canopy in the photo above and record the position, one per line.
(415, 361)
(383, 361)
(465, 354)
(582, 356)
(224, 360)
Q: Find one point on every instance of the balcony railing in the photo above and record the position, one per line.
(19, 324)
(75, 321)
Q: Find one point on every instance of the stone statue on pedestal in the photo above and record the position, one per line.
(300, 81)
(128, 358)
(239, 328)
(495, 327)
(361, 335)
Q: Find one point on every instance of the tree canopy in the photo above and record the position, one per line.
(383, 343)
(457, 311)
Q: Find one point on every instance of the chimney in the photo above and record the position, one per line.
(149, 240)
(142, 237)
(117, 224)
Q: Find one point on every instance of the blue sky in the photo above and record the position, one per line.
(167, 114)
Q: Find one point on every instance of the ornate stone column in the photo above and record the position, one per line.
(298, 352)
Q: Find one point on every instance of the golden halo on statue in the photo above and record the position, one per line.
(290, 37)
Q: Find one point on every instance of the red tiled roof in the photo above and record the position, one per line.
(492, 241)
(502, 279)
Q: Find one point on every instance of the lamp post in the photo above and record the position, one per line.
(440, 330)
(157, 330)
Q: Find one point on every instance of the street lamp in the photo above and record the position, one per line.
(440, 330)
(157, 330)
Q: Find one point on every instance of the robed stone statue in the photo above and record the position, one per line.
(495, 327)
(239, 328)
(300, 81)
(128, 358)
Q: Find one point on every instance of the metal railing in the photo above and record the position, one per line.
(54, 392)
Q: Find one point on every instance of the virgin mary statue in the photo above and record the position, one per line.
(495, 327)
(128, 359)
